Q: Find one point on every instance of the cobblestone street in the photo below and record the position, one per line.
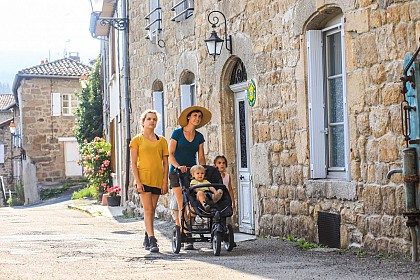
(52, 241)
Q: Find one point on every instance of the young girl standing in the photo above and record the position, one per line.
(149, 162)
(221, 163)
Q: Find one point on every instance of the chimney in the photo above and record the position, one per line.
(74, 56)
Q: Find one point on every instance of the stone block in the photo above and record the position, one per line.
(299, 208)
(387, 223)
(355, 84)
(270, 206)
(387, 148)
(379, 121)
(357, 21)
(372, 198)
(348, 216)
(375, 19)
(344, 236)
(369, 243)
(388, 195)
(382, 245)
(374, 225)
(362, 123)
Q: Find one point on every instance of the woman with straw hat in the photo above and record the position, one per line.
(186, 148)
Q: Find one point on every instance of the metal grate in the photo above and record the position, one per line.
(329, 229)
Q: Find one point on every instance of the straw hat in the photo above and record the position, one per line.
(182, 120)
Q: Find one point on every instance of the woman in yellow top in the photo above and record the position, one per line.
(149, 162)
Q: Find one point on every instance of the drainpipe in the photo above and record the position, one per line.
(411, 179)
(410, 114)
(127, 99)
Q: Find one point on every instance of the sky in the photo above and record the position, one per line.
(35, 30)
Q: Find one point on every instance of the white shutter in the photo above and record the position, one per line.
(55, 104)
(317, 127)
(158, 106)
(186, 97)
(1, 153)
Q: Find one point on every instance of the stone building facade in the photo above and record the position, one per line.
(47, 100)
(325, 128)
(7, 103)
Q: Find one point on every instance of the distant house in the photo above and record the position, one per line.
(7, 102)
(44, 119)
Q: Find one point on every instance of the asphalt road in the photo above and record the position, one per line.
(52, 241)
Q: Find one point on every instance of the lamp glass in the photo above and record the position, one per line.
(97, 5)
(214, 44)
(12, 128)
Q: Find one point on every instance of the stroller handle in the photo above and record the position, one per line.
(205, 185)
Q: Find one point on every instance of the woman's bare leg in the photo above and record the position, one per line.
(149, 202)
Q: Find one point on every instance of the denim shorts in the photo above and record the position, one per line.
(173, 179)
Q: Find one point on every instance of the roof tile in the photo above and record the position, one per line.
(6, 100)
(62, 67)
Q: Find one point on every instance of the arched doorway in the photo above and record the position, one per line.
(241, 130)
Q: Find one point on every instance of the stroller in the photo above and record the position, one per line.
(211, 223)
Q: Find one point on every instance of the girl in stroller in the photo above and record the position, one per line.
(197, 173)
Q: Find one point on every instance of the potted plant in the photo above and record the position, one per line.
(114, 197)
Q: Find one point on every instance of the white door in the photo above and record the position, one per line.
(245, 200)
(71, 156)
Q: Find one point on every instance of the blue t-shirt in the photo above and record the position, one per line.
(185, 151)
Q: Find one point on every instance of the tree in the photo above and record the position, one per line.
(89, 118)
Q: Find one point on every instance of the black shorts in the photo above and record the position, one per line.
(173, 179)
(153, 190)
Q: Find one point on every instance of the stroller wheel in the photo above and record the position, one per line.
(217, 243)
(229, 240)
(176, 239)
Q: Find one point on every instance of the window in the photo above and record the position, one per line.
(183, 9)
(63, 104)
(158, 106)
(69, 104)
(187, 96)
(327, 103)
(154, 19)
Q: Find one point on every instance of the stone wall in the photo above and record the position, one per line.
(41, 130)
(269, 37)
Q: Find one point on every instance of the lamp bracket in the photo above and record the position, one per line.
(214, 21)
(117, 23)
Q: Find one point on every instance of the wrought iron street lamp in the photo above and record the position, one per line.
(214, 42)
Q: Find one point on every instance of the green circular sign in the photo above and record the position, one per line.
(251, 93)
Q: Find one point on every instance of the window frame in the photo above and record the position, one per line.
(158, 106)
(188, 97)
(71, 107)
(187, 12)
(154, 20)
(320, 155)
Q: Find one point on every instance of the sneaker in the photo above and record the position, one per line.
(217, 196)
(146, 242)
(154, 248)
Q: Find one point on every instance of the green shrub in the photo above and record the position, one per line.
(19, 198)
(89, 191)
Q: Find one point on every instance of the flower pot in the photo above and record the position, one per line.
(105, 199)
(113, 200)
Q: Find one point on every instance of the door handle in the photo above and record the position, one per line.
(241, 177)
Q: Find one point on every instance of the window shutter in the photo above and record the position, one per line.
(158, 106)
(186, 97)
(317, 127)
(55, 104)
(1, 153)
